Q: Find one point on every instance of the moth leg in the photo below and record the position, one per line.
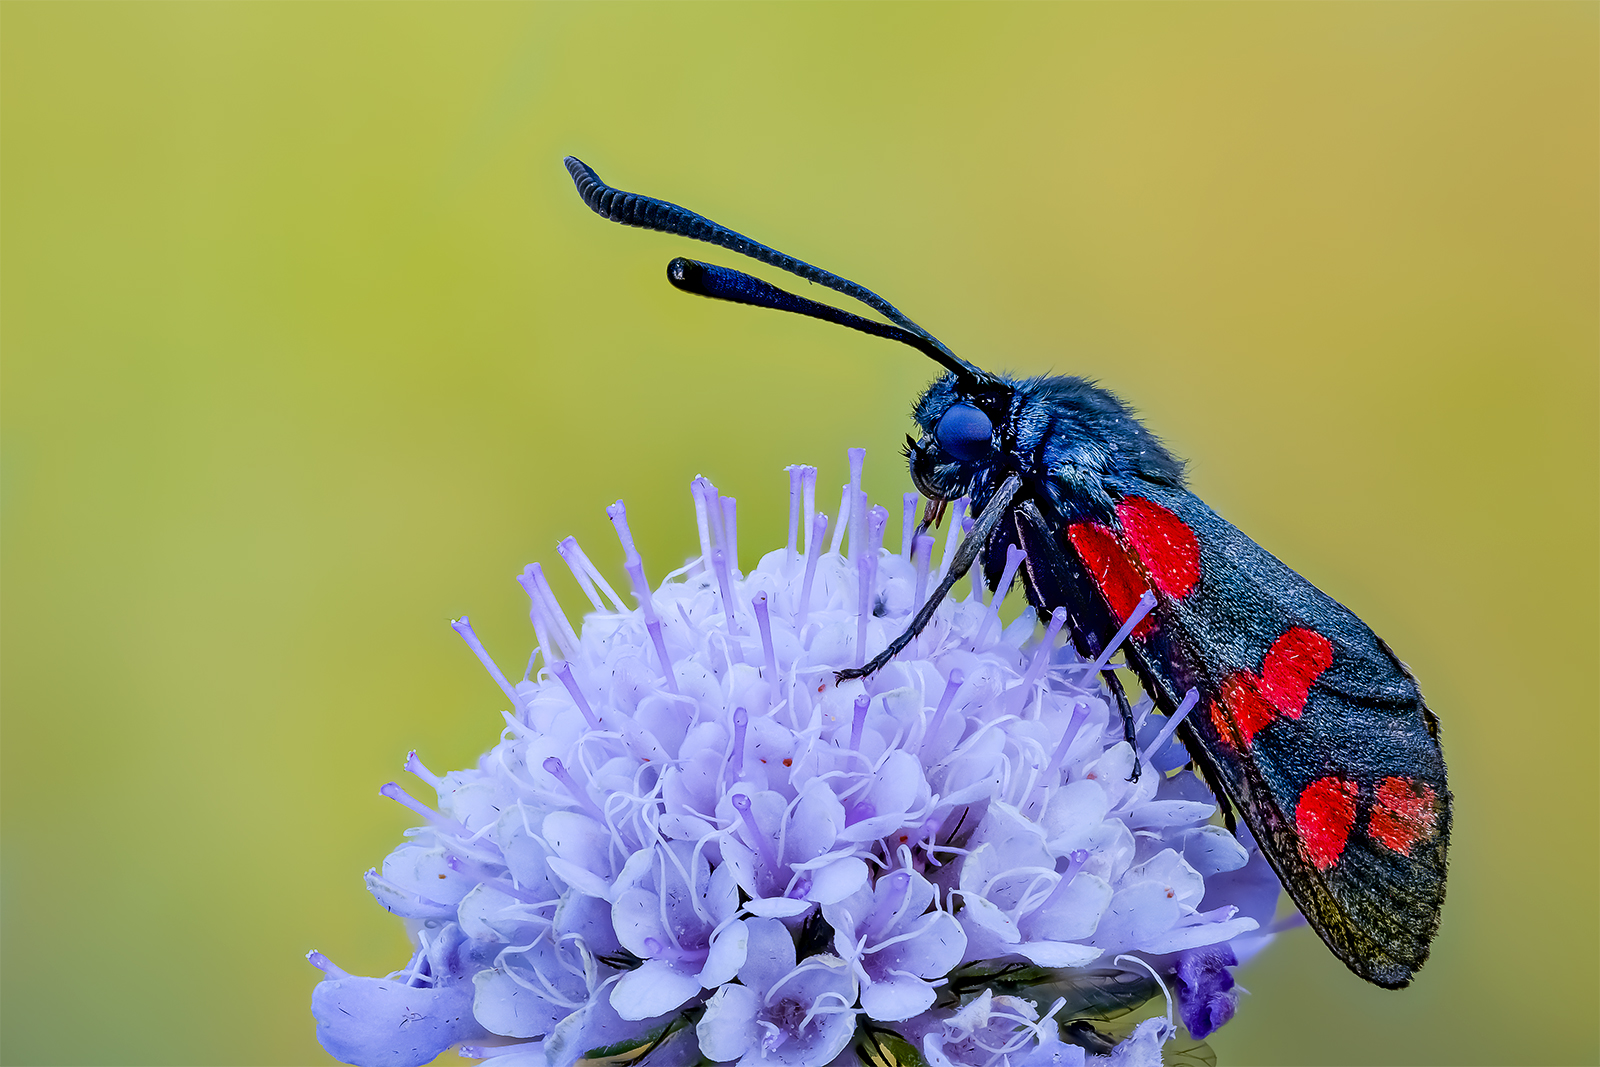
(965, 555)
(1114, 684)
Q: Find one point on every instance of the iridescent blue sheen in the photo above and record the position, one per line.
(965, 432)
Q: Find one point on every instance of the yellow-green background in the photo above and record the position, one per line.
(308, 346)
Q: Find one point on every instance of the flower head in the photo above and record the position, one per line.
(690, 841)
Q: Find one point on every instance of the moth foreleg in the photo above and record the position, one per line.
(1114, 684)
(965, 556)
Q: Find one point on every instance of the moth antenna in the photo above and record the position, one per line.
(725, 283)
(632, 209)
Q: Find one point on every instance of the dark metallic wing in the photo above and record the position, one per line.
(1317, 733)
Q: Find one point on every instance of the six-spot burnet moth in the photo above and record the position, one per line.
(1303, 718)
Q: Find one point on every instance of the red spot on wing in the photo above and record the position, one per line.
(1295, 661)
(1167, 548)
(1108, 563)
(1324, 815)
(1247, 707)
(1250, 701)
(1404, 814)
(1224, 725)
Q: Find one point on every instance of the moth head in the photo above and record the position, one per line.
(963, 424)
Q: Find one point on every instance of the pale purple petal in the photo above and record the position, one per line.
(653, 988)
(897, 999)
(378, 1023)
(728, 1029)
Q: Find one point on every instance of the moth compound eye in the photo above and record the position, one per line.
(964, 432)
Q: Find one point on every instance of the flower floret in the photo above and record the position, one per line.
(691, 842)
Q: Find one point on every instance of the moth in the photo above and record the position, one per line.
(1303, 721)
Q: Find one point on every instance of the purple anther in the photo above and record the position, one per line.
(735, 768)
(1014, 557)
(978, 594)
(862, 506)
(463, 627)
(950, 537)
(921, 554)
(1190, 699)
(819, 527)
(1080, 712)
(654, 946)
(1041, 659)
(708, 514)
(858, 501)
(618, 514)
(859, 721)
(719, 537)
(866, 577)
(950, 686)
(552, 607)
(846, 506)
(719, 565)
(730, 532)
(808, 495)
(536, 615)
(702, 521)
(325, 965)
(908, 525)
(631, 563)
(558, 770)
(741, 804)
(565, 549)
(588, 576)
(653, 627)
(769, 655)
(563, 671)
(1140, 610)
(415, 766)
(393, 791)
(641, 589)
(794, 511)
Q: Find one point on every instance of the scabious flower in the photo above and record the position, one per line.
(691, 845)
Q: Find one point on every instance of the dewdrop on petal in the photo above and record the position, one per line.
(690, 842)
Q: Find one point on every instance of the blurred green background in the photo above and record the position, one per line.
(309, 346)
